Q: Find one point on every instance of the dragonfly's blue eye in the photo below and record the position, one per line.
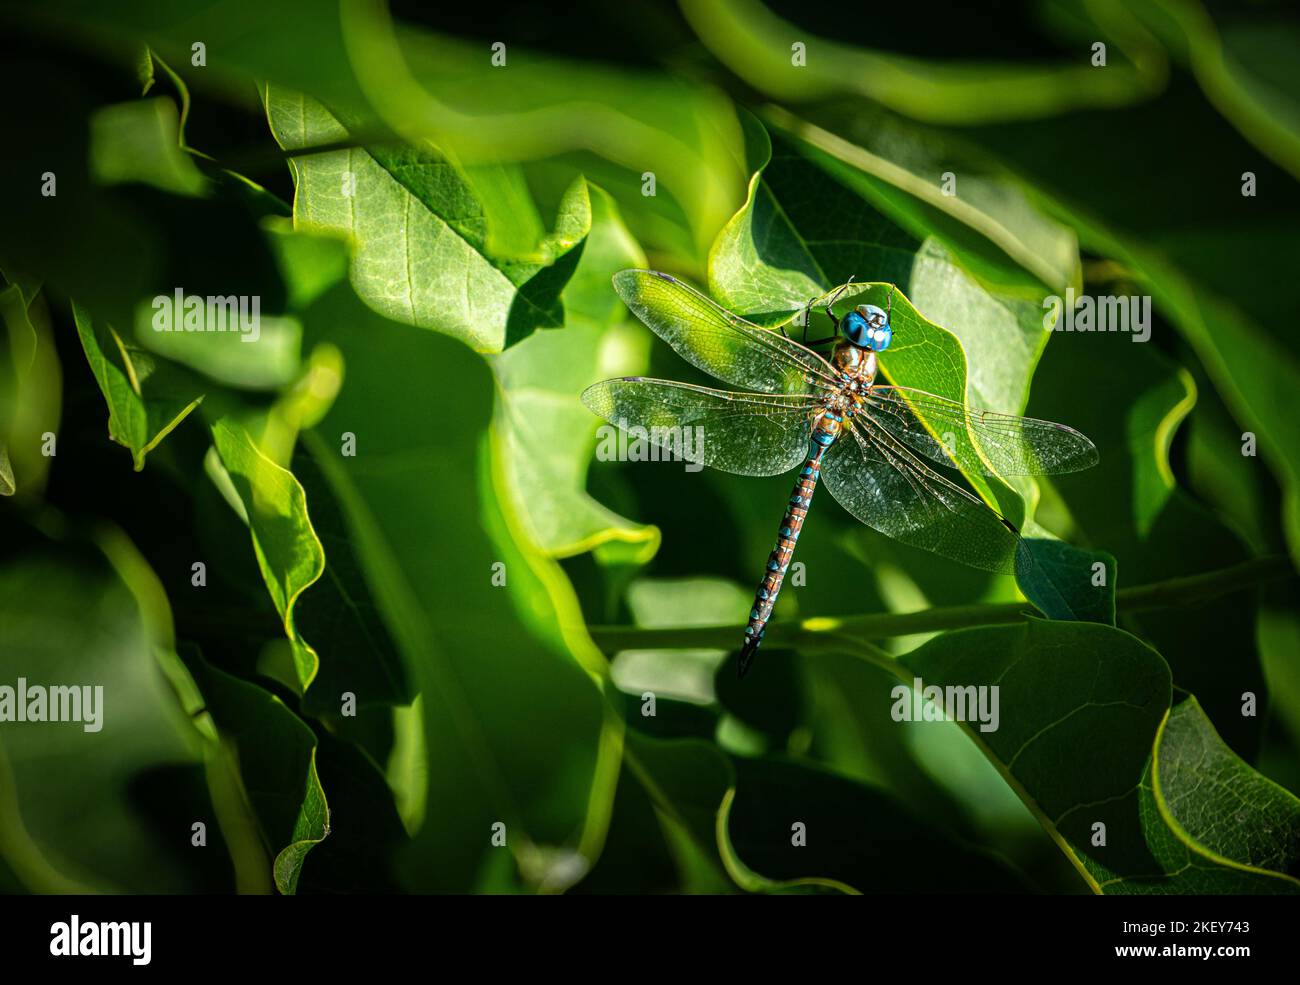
(867, 326)
(855, 328)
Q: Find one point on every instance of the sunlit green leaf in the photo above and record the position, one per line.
(146, 397)
(139, 142)
(289, 553)
(30, 388)
(433, 270)
(546, 429)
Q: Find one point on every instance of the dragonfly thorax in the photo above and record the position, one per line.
(857, 363)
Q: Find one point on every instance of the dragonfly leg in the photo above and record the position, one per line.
(807, 319)
(831, 303)
(835, 324)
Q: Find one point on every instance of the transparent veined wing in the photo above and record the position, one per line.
(744, 433)
(978, 441)
(878, 479)
(720, 343)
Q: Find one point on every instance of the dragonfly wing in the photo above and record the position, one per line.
(744, 433)
(977, 440)
(720, 343)
(877, 479)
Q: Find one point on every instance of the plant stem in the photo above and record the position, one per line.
(1198, 588)
(853, 632)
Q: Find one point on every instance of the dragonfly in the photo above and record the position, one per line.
(875, 442)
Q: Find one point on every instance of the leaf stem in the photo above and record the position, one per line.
(1190, 589)
(854, 632)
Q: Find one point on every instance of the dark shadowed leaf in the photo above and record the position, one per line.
(1067, 582)
(1082, 707)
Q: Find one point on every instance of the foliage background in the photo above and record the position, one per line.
(448, 314)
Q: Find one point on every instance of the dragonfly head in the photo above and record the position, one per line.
(867, 327)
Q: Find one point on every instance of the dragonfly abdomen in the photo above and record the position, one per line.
(824, 434)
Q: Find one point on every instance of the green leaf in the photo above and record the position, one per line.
(1079, 705)
(931, 767)
(289, 553)
(277, 760)
(1218, 281)
(144, 69)
(857, 839)
(986, 219)
(311, 264)
(688, 781)
(263, 354)
(140, 142)
(648, 850)
(678, 674)
(1130, 506)
(546, 429)
(147, 397)
(433, 270)
(1200, 784)
(615, 123)
(30, 390)
(502, 754)
(789, 244)
(365, 829)
(338, 616)
(1065, 583)
(1081, 709)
